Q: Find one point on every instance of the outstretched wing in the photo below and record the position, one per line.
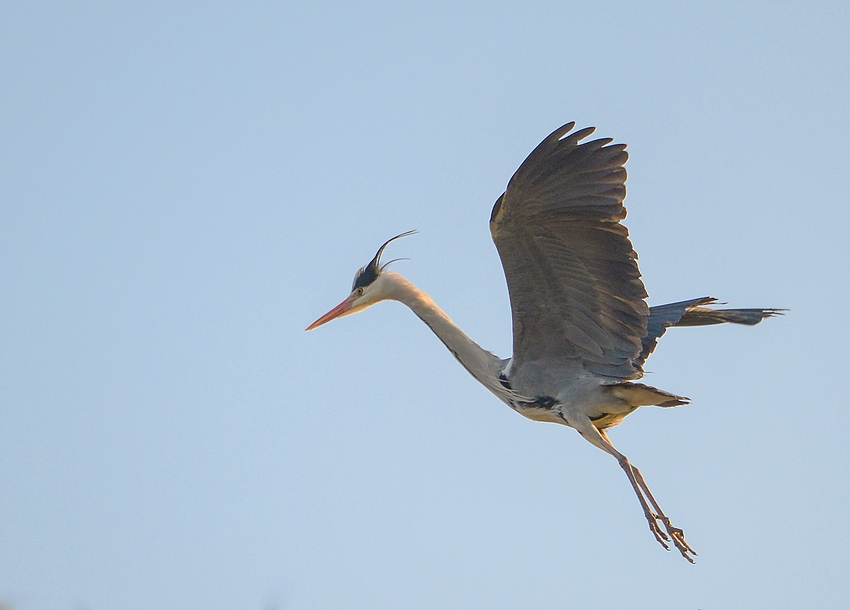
(575, 288)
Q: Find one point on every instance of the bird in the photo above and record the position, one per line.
(582, 328)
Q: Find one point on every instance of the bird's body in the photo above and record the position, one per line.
(582, 328)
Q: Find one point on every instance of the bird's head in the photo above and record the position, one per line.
(369, 287)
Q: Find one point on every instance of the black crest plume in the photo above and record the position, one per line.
(370, 272)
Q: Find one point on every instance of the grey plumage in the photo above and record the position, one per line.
(577, 299)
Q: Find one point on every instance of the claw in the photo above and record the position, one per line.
(660, 536)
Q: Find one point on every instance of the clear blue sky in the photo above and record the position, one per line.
(183, 189)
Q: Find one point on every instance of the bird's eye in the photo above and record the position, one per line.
(359, 291)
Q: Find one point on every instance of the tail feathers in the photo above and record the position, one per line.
(703, 316)
(691, 313)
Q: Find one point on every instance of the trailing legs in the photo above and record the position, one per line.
(651, 510)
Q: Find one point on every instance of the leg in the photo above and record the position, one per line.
(585, 427)
(675, 534)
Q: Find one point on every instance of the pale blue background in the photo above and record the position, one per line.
(183, 189)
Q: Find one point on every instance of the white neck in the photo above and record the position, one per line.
(480, 363)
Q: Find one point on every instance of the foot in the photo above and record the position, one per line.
(678, 537)
(672, 533)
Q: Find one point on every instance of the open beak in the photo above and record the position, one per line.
(338, 311)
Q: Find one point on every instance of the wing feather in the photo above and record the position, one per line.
(575, 287)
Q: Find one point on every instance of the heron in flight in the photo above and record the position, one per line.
(582, 329)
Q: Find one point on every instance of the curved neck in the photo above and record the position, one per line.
(480, 363)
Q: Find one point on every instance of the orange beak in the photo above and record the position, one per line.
(338, 311)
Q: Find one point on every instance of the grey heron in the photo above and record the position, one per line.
(582, 329)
